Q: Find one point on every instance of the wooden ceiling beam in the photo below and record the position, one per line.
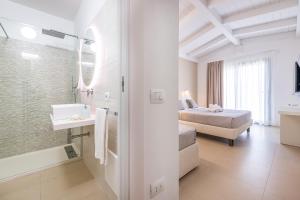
(215, 19)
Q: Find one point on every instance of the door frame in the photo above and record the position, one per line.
(124, 102)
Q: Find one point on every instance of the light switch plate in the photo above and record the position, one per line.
(157, 96)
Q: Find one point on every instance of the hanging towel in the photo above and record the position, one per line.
(101, 136)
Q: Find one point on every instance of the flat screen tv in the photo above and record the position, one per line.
(297, 77)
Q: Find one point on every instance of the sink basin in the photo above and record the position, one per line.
(70, 111)
(65, 116)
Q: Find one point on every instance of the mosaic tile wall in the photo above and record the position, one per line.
(27, 90)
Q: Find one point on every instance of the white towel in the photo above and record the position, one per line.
(101, 137)
(214, 108)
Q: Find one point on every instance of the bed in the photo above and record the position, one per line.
(188, 149)
(227, 124)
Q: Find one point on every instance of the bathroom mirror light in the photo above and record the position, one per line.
(28, 32)
(88, 58)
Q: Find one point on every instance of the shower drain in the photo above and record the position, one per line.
(71, 153)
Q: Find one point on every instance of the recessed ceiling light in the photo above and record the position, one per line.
(28, 32)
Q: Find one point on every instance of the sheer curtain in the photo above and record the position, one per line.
(247, 87)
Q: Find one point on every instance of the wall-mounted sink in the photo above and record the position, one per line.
(65, 116)
(70, 111)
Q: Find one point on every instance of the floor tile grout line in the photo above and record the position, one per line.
(265, 187)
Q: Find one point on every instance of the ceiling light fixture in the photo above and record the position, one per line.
(28, 32)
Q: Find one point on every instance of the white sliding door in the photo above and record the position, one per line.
(247, 87)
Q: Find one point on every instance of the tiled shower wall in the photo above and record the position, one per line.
(28, 88)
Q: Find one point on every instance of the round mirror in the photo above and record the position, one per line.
(88, 57)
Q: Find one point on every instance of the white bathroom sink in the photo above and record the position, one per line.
(70, 111)
(66, 116)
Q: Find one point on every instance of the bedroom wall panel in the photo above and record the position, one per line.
(187, 77)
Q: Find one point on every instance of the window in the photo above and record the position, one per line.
(247, 87)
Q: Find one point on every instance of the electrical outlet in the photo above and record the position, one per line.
(157, 187)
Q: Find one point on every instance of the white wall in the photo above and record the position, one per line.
(284, 50)
(187, 77)
(136, 99)
(104, 16)
(153, 62)
(202, 83)
(161, 121)
(87, 11)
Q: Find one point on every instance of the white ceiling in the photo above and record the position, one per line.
(207, 25)
(66, 9)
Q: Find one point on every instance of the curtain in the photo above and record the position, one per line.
(247, 86)
(215, 83)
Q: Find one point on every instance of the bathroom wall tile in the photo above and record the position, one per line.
(27, 90)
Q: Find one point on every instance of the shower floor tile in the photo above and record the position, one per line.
(71, 181)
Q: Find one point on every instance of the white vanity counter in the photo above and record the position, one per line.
(67, 116)
(290, 125)
(69, 123)
(289, 110)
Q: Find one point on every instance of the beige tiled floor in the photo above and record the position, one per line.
(71, 181)
(257, 167)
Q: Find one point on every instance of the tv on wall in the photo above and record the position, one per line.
(297, 77)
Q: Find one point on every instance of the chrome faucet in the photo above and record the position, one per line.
(88, 92)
